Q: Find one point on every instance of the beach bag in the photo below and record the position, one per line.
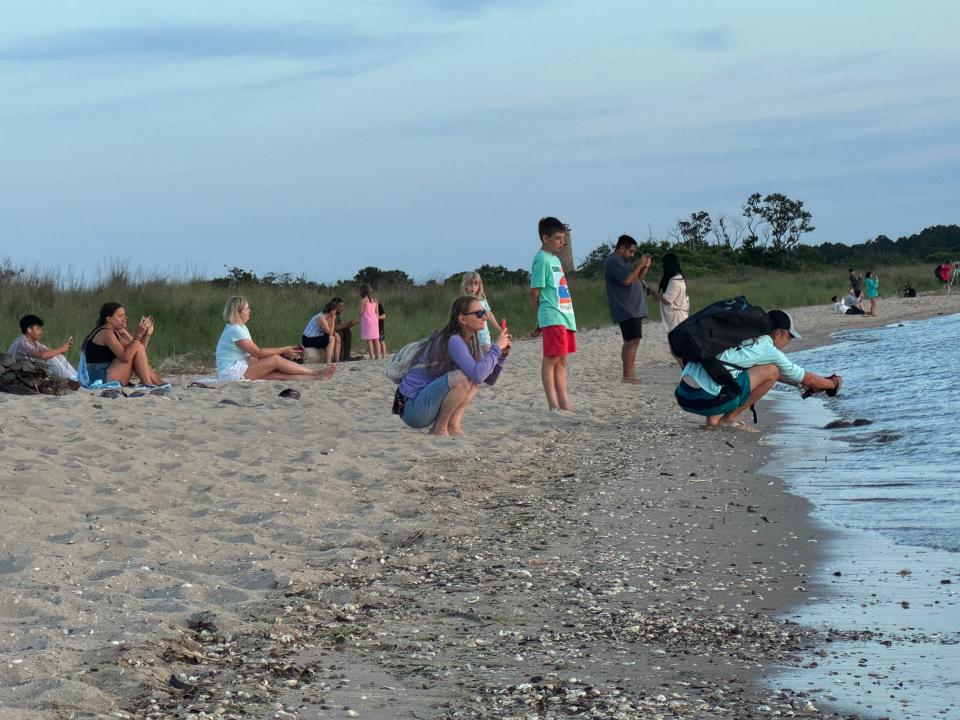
(405, 359)
(718, 327)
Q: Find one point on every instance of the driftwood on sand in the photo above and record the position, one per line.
(26, 376)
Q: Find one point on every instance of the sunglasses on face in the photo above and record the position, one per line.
(480, 314)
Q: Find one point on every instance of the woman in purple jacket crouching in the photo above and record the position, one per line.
(446, 376)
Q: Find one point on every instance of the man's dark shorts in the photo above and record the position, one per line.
(632, 329)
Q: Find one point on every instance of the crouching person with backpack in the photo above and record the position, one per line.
(754, 365)
(446, 370)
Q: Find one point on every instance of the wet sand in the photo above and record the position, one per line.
(175, 557)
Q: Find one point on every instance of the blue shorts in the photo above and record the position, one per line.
(699, 402)
(97, 371)
(422, 410)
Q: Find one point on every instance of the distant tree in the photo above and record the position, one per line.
(592, 264)
(499, 275)
(693, 233)
(780, 220)
(236, 276)
(8, 272)
(379, 278)
(728, 233)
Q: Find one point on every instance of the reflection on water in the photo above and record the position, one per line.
(892, 490)
(904, 379)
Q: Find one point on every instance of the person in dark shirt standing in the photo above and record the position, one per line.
(627, 296)
(855, 278)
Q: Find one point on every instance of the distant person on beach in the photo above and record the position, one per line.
(370, 321)
(342, 329)
(320, 333)
(945, 274)
(756, 365)
(853, 303)
(381, 324)
(627, 298)
(443, 380)
(555, 319)
(854, 278)
(28, 345)
(674, 301)
(472, 284)
(240, 358)
(110, 353)
(871, 284)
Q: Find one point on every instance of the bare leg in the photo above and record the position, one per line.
(275, 367)
(762, 378)
(383, 348)
(122, 372)
(628, 354)
(373, 349)
(548, 378)
(873, 307)
(560, 382)
(453, 425)
(141, 367)
(460, 395)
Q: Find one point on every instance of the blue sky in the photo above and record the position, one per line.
(430, 136)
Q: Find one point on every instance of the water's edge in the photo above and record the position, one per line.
(901, 600)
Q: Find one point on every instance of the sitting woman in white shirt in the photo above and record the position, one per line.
(240, 358)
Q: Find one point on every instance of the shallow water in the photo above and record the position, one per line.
(890, 491)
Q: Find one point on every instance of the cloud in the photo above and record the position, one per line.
(198, 42)
(709, 40)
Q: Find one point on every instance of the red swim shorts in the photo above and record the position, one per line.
(558, 340)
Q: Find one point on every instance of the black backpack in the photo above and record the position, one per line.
(718, 327)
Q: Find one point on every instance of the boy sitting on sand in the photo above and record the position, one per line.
(554, 305)
(756, 366)
(28, 345)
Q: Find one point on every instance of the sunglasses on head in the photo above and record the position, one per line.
(481, 314)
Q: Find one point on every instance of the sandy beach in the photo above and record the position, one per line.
(229, 553)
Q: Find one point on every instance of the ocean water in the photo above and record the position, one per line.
(888, 496)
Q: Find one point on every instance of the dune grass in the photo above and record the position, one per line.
(187, 312)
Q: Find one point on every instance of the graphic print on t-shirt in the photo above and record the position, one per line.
(563, 292)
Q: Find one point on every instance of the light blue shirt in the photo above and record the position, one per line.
(227, 351)
(761, 351)
(483, 336)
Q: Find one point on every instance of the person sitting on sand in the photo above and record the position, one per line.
(446, 376)
(28, 345)
(111, 353)
(240, 358)
(343, 331)
(320, 333)
(853, 303)
(756, 365)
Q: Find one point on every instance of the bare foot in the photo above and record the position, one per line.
(633, 381)
(457, 432)
(327, 372)
(438, 433)
(739, 425)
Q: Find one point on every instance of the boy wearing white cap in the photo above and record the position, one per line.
(756, 365)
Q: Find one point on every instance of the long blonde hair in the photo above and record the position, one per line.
(469, 277)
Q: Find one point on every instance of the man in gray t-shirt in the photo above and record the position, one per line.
(626, 295)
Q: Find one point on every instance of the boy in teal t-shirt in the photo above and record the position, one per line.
(555, 319)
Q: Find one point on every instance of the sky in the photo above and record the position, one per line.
(317, 138)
